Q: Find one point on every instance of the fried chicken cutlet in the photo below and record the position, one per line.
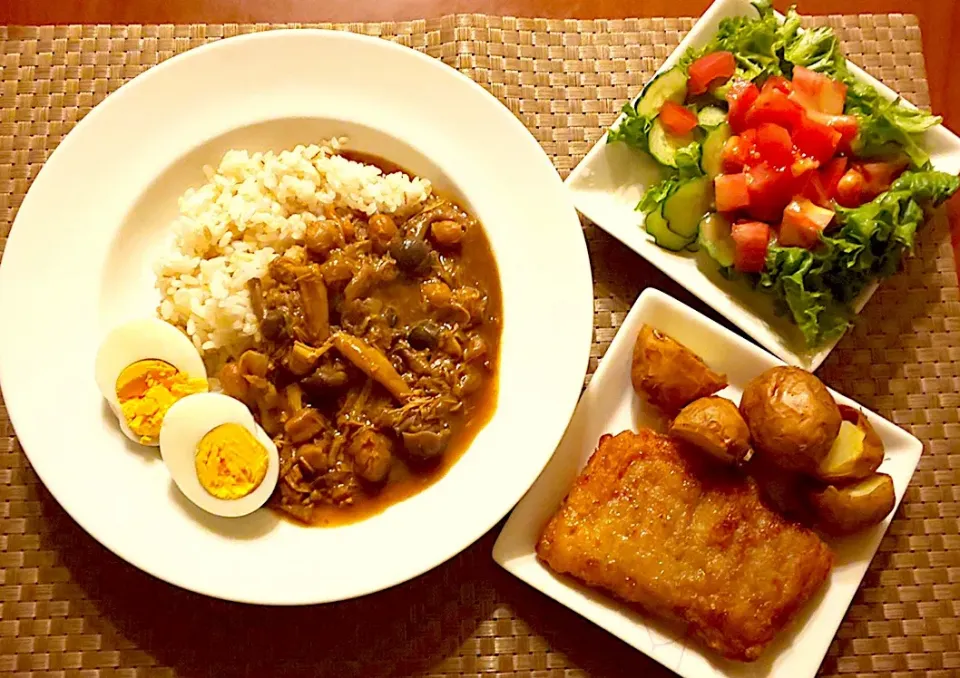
(683, 538)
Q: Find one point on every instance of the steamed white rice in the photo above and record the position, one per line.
(253, 208)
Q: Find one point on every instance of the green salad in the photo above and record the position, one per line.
(783, 167)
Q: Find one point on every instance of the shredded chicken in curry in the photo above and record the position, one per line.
(378, 357)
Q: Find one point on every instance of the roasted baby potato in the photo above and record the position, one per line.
(714, 425)
(785, 491)
(857, 451)
(668, 374)
(792, 417)
(847, 509)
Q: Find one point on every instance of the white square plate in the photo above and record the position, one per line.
(609, 405)
(608, 183)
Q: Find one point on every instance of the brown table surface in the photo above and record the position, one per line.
(939, 19)
(112, 584)
(939, 23)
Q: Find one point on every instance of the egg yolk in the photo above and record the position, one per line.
(231, 462)
(147, 389)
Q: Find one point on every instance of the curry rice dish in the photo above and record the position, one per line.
(354, 311)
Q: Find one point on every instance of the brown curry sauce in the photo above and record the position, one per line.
(404, 482)
(476, 268)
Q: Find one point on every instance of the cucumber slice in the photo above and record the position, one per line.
(687, 205)
(664, 146)
(656, 226)
(712, 159)
(719, 92)
(668, 86)
(711, 116)
(716, 239)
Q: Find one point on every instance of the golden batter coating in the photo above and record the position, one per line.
(686, 539)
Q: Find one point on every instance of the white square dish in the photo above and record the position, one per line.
(610, 405)
(607, 184)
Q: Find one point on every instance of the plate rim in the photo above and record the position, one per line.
(17, 240)
(746, 320)
(505, 551)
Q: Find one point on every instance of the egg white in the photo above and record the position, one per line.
(185, 424)
(142, 339)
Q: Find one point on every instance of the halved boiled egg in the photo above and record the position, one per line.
(218, 456)
(143, 367)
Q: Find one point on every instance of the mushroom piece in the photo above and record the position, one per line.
(426, 444)
(373, 363)
(425, 334)
(301, 358)
(304, 425)
(316, 306)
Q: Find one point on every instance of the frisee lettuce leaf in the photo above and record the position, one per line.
(658, 193)
(817, 49)
(688, 167)
(796, 278)
(817, 286)
(755, 42)
(633, 130)
(887, 127)
(931, 188)
(688, 161)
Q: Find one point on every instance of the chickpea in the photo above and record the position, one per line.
(348, 228)
(336, 271)
(322, 237)
(447, 232)
(437, 293)
(470, 382)
(382, 228)
(472, 301)
(476, 348)
(850, 188)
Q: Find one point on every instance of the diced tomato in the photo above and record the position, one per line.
(819, 91)
(816, 140)
(805, 102)
(850, 189)
(740, 96)
(803, 222)
(774, 144)
(740, 152)
(847, 125)
(777, 82)
(676, 119)
(815, 191)
(802, 166)
(731, 192)
(770, 190)
(749, 137)
(879, 175)
(751, 239)
(830, 174)
(774, 106)
(708, 70)
(734, 155)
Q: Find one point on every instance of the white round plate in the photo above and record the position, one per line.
(79, 260)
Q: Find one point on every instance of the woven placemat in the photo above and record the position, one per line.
(68, 607)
